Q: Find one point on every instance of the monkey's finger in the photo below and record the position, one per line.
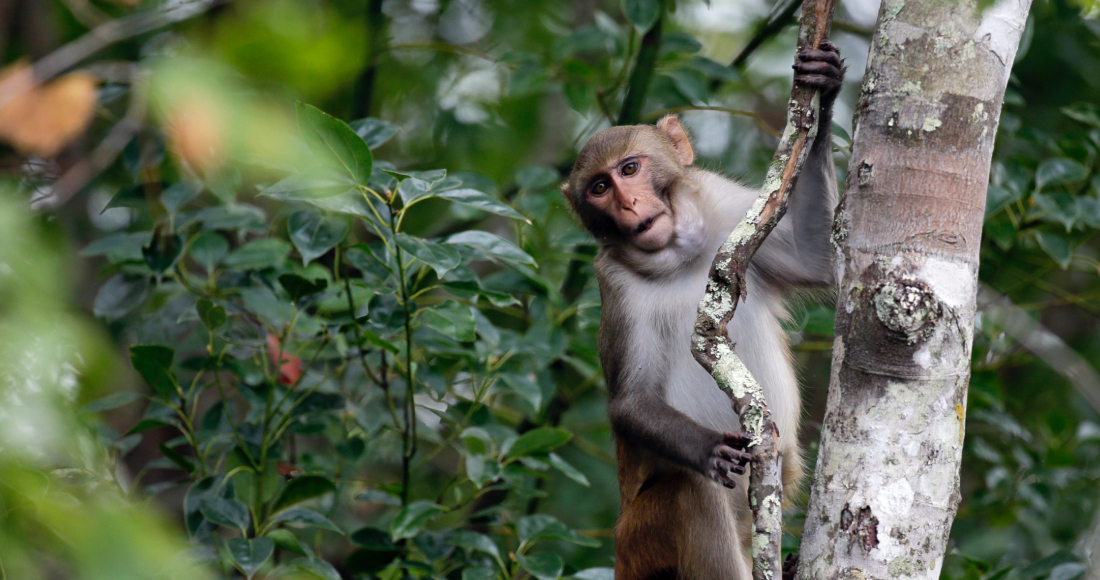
(817, 67)
(828, 45)
(737, 439)
(828, 56)
(820, 82)
(733, 455)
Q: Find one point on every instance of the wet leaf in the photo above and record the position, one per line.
(153, 362)
(313, 233)
(543, 565)
(333, 139)
(541, 440)
(250, 554)
(492, 246)
(119, 295)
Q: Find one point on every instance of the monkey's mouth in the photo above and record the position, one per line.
(642, 227)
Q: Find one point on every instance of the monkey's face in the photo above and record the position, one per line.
(621, 183)
(625, 192)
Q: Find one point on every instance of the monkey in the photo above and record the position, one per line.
(659, 221)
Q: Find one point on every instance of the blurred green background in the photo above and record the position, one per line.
(288, 289)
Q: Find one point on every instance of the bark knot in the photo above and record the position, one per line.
(908, 307)
(862, 527)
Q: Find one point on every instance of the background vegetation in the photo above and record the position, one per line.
(287, 288)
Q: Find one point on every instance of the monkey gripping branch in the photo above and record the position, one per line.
(711, 345)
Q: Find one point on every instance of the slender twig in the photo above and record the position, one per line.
(655, 115)
(376, 44)
(710, 343)
(640, 77)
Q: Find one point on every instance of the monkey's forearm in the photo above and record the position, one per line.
(650, 423)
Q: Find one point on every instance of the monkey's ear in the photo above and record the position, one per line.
(670, 126)
(565, 191)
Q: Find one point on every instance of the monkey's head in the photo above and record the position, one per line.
(620, 184)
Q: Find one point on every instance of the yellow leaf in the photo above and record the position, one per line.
(43, 119)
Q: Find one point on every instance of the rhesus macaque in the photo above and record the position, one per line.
(659, 222)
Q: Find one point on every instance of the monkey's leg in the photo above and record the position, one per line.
(646, 536)
(711, 546)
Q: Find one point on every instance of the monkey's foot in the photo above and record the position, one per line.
(821, 69)
(790, 565)
(729, 455)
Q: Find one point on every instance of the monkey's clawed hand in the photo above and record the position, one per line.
(729, 455)
(821, 69)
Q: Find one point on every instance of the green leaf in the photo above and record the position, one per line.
(111, 402)
(568, 470)
(286, 540)
(118, 247)
(177, 458)
(998, 198)
(1067, 571)
(312, 568)
(480, 573)
(363, 562)
(306, 517)
(1058, 207)
(298, 287)
(450, 319)
(595, 574)
(642, 13)
(1059, 170)
(544, 565)
(178, 194)
(309, 187)
(333, 139)
(211, 315)
(119, 295)
(259, 254)
(374, 132)
(314, 234)
(543, 527)
(475, 542)
(226, 512)
(373, 539)
(536, 177)
(1056, 246)
(492, 246)
(413, 517)
(523, 388)
(377, 340)
(239, 216)
(250, 554)
(1090, 211)
(153, 362)
(208, 249)
(147, 424)
(482, 201)
(541, 440)
(302, 488)
(440, 257)
(162, 251)
(427, 177)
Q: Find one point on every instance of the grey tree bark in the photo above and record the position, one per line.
(908, 230)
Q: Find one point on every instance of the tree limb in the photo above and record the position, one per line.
(710, 343)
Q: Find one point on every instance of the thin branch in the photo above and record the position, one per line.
(364, 91)
(103, 36)
(640, 77)
(655, 115)
(782, 14)
(710, 343)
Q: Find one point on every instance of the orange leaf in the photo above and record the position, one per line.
(290, 366)
(195, 134)
(43, 119)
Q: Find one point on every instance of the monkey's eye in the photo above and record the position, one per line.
(600, 188)
(630, 168)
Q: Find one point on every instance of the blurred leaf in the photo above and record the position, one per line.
(997, 198)
(178, 194)
(528, 79)
(440, 257)
(373, 539)
(162, 251)
(535, 177)
(364, 562)
(176, 457)
(412, 518)
(250, 554)
(119, 295)
(475, 542)
(298, 287)
(480, 573)
(524, 388)
(314, 234)
(208, 249)
(306, 517)
(375, 132)
(313, 567)
(543, 565)
(679, 41)
(378, 341)
(332, 138)
(1067, 571)
(286, 540)
(450, 319)
(1090, 211)
(1056, 247)
(1087, 113)
(1059, 170)
(111, 402)
(153, 363)
(642, 13)
(492, 246)
(541, 440)
(239, 216)
(118, 247)
(302, 488)
(309, 187)
(568, 470)
(258, 254)
(226, 512)
(1058, 207)
(43, 118)
(147, 424)
(595, 574)
(211, 315)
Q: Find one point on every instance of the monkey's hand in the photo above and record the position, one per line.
(729, 455)
(823, 70)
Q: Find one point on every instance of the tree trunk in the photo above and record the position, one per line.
(908, 231)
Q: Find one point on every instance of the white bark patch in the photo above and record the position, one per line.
(952, 282)
(1001, 28)
(896, 499)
